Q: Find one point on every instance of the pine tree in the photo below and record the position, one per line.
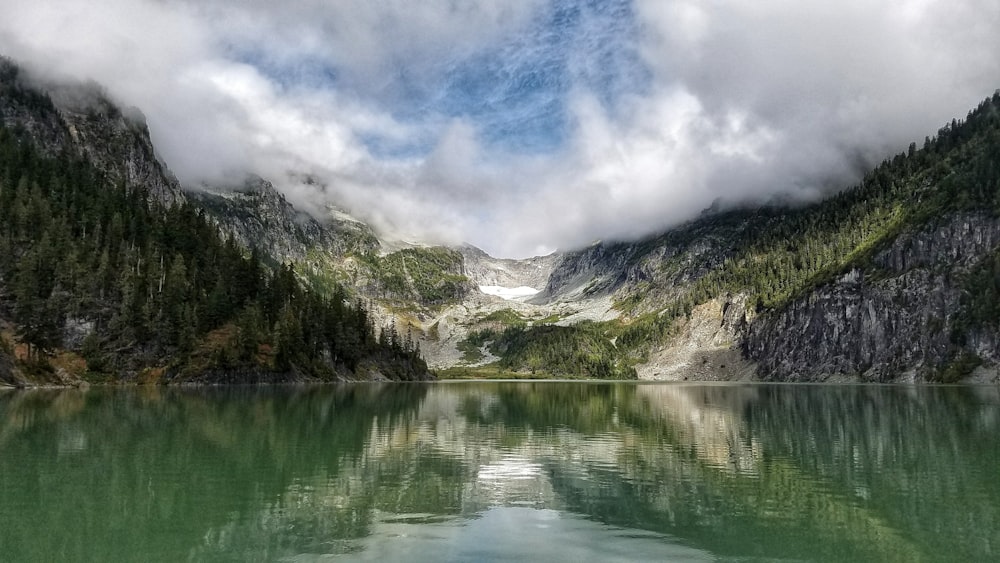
(288, 339)
(37, 314)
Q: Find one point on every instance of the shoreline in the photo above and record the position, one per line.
(4, 387)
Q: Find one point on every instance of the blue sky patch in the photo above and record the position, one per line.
(516, 92)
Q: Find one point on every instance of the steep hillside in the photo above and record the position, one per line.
(258, 217)
(335, 249)
(896, 278)
(81, 120)
(881, 282)
(485, 270)
(102, 280)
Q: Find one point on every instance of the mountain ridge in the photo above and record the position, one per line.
(872, 283)
(109, 274)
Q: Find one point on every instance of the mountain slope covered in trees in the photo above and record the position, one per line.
(101, 279)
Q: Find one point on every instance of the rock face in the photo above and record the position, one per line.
(256, 215)
(483, 269)
(26, 108)
(706, 346)
(82, 120)
(118, 143)
(659, 269)
(596, 270)
(896, 322)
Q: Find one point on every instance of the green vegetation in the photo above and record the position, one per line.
(580, 350)
(551, 319)
(159, 288)
(430, 276)
(471, 353)
(961, 366)
(501, 318)
(980, 299)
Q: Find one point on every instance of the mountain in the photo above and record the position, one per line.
(79, 119)
(258, 216)
(485, 270)
(109, 273)
(894, 279)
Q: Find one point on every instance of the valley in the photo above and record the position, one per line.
(887, 280)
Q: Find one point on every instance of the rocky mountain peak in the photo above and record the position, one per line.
(82, 119)
(258, 216)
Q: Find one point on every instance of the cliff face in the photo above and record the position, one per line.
(651, 272)
(26, 108)
(6, 369)
(80, 119)
(705, 346)
(899, 321)
(118, 143)
(483, 269)
(596, 270)
(257, 216)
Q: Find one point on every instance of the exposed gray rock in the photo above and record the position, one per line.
(483, 269)
(75, 331)
(256, 215)
(596, 270)
(706, 345)
(958, 241)
(118, 143)
(896, 325)
(80, 118)
(660, 268)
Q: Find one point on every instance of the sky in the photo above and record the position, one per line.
(523, 126)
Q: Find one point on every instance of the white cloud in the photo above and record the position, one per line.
(744, 100)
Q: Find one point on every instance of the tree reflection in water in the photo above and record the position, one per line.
(769, 471)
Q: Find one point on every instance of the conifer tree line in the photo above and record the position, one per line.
(148, 286)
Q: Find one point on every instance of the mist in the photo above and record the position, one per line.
(523, 127)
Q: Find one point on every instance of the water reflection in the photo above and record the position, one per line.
(502, 470)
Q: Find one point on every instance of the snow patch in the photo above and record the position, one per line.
(514, 293)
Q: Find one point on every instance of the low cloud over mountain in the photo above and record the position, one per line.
(523, 126)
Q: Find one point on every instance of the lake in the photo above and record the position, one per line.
(501, 471)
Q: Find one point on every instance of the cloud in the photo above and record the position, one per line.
(524, 126)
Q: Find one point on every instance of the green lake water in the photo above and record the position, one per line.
(502, 471)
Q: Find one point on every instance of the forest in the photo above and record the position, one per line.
(100, 280)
